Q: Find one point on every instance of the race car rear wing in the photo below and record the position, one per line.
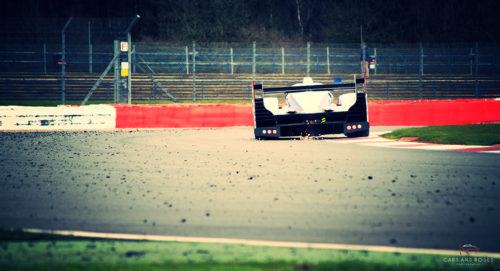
(292, 89)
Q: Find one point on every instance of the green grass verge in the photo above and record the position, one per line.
(483, 135)
(20, 251)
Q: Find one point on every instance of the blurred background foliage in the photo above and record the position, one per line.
(278, 21)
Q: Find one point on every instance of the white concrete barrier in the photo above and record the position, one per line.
(91, 117)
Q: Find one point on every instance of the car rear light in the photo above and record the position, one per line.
(264, 131)
(275, 132)
(348, 127)
(359, 126)
(269, 132)
(354, 127)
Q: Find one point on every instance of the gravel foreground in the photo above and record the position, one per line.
(223, 183)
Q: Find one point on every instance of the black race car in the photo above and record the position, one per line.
(311, 109)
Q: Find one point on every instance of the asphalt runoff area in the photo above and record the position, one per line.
(223, 183)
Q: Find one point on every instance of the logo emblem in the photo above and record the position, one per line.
(467, 248)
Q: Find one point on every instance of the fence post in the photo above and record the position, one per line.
(232, 61)
(308, 69)
(328, 59)
(63, 61)
(90, 49)
(363, 53)
(476, 81)
(44, 57)
(254, 52)
(187, 60)
(134, 58)
(129, 56)
(129, 60)
(116, 78)
(194, 71)
(282, 60)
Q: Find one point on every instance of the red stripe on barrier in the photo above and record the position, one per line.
(183, 115)
(433, 112)
(381, 113)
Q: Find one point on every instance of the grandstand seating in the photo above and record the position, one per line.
(47, 86)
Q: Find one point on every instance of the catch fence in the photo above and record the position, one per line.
(261, 59)
(78, 52)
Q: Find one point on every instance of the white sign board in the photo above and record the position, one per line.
(124, 46)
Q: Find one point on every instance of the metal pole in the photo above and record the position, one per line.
(129, 59)
(194, 72)
(44, 57)
(90, 49)
(232, 61)
(328, 59)
(308, 68)
(116, 78)
(187, 60)
(63, 61)
(254, 53)
(134, 58)
(282, 60)
(129, 56)
(376, 62)
(363, 52)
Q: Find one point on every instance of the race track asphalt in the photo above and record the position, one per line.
(223, 183)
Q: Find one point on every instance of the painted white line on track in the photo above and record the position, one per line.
(213, 240)
(374, 140)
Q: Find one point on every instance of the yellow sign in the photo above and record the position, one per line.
(124, 69)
